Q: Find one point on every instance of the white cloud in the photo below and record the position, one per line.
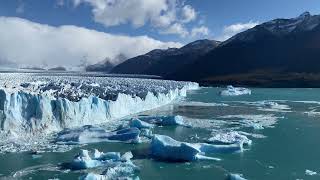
(234, 29)
(200, 31)
(188, 14)
(135, 12)
(176, 29)
(26, 42)
(164, 15)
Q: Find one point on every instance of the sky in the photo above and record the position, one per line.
(77, 32)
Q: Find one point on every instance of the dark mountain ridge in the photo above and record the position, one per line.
(281, 52)
(163, 62)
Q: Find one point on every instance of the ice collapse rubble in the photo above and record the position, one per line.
(46, 103)
(92, 134)
(161, 121)
(165, 148)
(117, 166)
(235, 91)
(232, 137)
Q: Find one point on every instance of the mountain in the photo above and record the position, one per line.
(164, 62)
(58, 68)
(107, 64)
(281, 51)
(278, 53)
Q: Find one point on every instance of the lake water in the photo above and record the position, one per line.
(284, 145)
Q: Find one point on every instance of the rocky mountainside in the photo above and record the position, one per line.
(164, 62)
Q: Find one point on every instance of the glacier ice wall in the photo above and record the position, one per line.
(42, 111)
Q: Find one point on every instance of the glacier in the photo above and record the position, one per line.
(33, 104)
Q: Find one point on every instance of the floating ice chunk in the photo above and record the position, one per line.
(230, 138)
(84, 161)
(117, 167)
(167, 149)
(235, 91)
(164, 120)
(235, 177)
(140, 124)
(310, 173)
(92, 134)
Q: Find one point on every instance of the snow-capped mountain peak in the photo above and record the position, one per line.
(304, 22)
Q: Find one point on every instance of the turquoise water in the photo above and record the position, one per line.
(287, 149)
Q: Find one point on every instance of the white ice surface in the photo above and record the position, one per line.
(230, 137)
(117, 166)
(235, 177)
(310, 173)
(235, 91)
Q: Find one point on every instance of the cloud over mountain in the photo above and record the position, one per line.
(26, 42)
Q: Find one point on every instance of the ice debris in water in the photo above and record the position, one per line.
(92, 134)
(164, 120)
(235, 177)
(231, 137)
(117, 166)
(310, 173)
(268, 106)
(235, 91)
(167, 149)
(257, 122)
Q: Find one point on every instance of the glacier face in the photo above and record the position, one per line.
(32, 103)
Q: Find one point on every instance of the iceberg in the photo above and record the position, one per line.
(84, 161)
(165, 148)
(92, 134)
(235, 91)
(117, 166)
(231, 137)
